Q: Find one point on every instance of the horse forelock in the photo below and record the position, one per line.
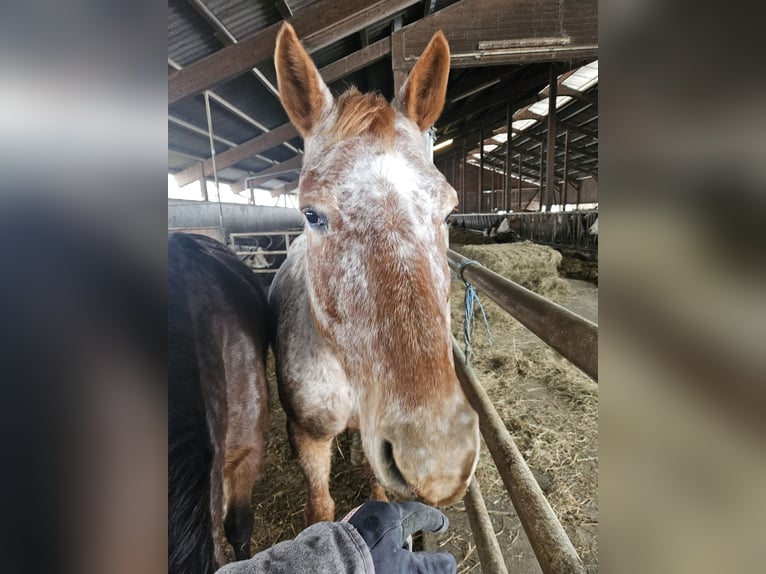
(363, 114)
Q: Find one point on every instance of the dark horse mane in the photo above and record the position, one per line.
(197, 264)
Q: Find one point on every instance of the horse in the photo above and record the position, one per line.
(361, 303)
(218, 334)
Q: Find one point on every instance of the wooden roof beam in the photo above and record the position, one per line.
(571, 92)
(318, 25)
(515, 33)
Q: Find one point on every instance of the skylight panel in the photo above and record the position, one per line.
(584, 78)
(521, 125)
(540, 108)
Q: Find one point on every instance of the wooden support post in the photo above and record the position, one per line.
(397, 56)
(520, 160)
(542, 172)
(481, 169)
(566, 169)
(578, 196)
(462, 180)
(550, 160)
(454, 170)
(508, 159)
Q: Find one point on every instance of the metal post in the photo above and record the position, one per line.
(202, 182)
(212, 159)
(550, 177)
(483, 532)
(552, 547)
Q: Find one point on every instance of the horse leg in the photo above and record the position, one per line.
(216, 506)
(240, 473)
(314, 457)
(376, 491)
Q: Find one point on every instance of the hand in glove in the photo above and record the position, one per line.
(387, 529)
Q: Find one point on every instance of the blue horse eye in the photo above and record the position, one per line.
(313, 218)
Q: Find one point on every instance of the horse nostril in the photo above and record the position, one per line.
(392, 470)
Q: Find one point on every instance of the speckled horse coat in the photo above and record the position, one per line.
(361, 303)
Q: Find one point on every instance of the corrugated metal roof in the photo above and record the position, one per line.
(191, 37)
(244, 17)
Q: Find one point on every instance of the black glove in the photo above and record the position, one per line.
(387, 529)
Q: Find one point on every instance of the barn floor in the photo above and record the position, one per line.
(550, 408)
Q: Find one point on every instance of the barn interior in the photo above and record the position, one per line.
(528, 69)
(518, 136)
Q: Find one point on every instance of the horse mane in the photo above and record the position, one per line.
(360, 114)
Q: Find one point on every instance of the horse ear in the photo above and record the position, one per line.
(421, 98)
(304, 94)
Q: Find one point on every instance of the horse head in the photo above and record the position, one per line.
(377, 273)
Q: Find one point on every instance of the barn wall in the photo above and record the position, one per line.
(588, 191)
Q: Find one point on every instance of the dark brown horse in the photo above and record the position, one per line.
(217, 401)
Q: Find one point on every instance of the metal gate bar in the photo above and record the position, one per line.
(552, 547)
(571, 335)
(487, 545)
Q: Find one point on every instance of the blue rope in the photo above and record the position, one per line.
(470, 302)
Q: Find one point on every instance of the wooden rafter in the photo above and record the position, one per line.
(278, 135)
(317, 25)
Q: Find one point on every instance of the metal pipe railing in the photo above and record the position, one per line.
(487, 545)
(550, 543)
(571, 335)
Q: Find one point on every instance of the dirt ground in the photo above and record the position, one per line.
(550, 408)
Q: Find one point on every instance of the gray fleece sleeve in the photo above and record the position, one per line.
(324, 548)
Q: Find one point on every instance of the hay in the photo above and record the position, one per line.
(576, 268)
(551, 410)
(529, 264)
(465, 237)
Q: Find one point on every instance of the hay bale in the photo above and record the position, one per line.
(576, 268)
(529, 264)
(464, 237)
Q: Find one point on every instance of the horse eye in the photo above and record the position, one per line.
(314, 219)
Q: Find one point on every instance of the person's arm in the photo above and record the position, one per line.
(374, 538)
(324, 548)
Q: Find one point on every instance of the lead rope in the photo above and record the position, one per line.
(470, 302)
